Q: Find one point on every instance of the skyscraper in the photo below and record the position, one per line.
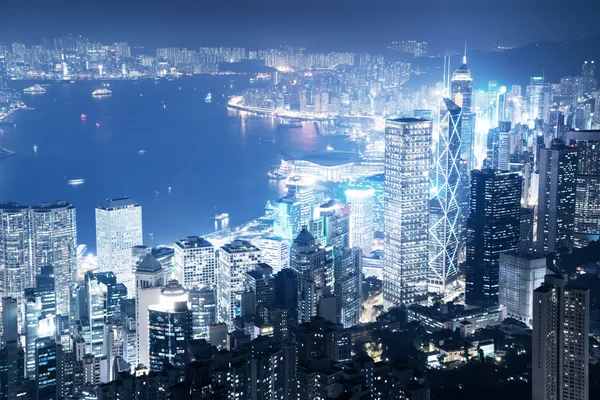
(493, 227)
(348, 284)
(54, 242)
(3, 73)
(274, 250)
(444, 206)
(587, 204)
(462, 93)
(233, 261)
(195, 262)
(588, 77)
(561, 323)
(407, 161)
(118, 229)
(170, 328)
(361, 218)
(538, 98)
(16, 273)
(556, 197)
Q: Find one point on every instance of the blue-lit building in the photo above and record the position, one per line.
(170, 328)
(374, 182)
(48, 371)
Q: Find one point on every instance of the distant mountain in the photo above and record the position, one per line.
(514, 67)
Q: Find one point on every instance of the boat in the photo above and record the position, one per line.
(34, 89)
(35, 148)
(276, 174)
(5, 152)
(83, 116)
(208, 98)
(221, 217)
(104, 92)
(97, 125)
(76, 182)
(266, 140)
(142, 152)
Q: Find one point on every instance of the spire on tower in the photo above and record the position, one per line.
(465, 54)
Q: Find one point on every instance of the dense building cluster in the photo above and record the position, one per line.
(457, 203)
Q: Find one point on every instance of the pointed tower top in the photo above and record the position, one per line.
(465, 54)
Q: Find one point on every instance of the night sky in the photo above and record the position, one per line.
(360, 25)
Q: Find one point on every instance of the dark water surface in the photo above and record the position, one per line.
(150, 137)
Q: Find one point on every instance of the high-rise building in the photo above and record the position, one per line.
(588, 77)
(10, 326)
(561, 323)
(462, 94)
(348, 285)
(274, 250)
(3, 73)
(374, 182)
(444, 206)
(118, 230)
(233, 261)
(493, 227)
(407, 161)
(362, 228)
(520, 274)
(170, 328)
(48, 369)
(203, 303)
(556, 197)
(195, 262)
(313, 267)
(11, 370)
(54, 242)
(538, 98)
(587, 204)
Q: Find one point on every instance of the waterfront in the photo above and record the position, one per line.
(151, 137)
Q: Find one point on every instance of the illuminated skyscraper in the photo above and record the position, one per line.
(538, 98)
(275, 251)
(444, 207)
(493, 227)
(170, 328)
(556, 197)
(462, 93)
(348, 284)
(118, 230)
(3, 73)
(406, 202)
(195, 262)
(361, 204)
(561, 346)
(16, 273)
(588, 77)
(587, 204)
(233, 261)
(54, 242)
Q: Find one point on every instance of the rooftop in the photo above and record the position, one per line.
(193, 241)
(113, 204)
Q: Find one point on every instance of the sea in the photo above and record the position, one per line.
(162, 144)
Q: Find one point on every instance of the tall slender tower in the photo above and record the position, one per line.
(462, 92)
(444, 207)
(556, 197)
(493, 227)
(406, 215)
(587, 204)
(118, 230)
(561, 323)
(54, 242)
(16, 273)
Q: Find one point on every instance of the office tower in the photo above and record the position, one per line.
(520, 275)
(286, 221)
(587, 204)
(11, 370)
(170, 327)
(348, 285)
(3, 73)
(150, 277)
(561, 322)
(493, 227)
(444, 206)
(195, 262)
(462, 93)
(361, 204)
(54, 242)
(310, 262)
(118, 230)
(274, 251)
(10, 326)
(16, 273)
(374, 182)
(498, 147)
(203, 303)
(331, 225)
(48, 371)
(407, 160)
(588, 79)
(538, 98)
(526, 232)
(233, 261)
(556, 197)
(40, 314)
(303, 193)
